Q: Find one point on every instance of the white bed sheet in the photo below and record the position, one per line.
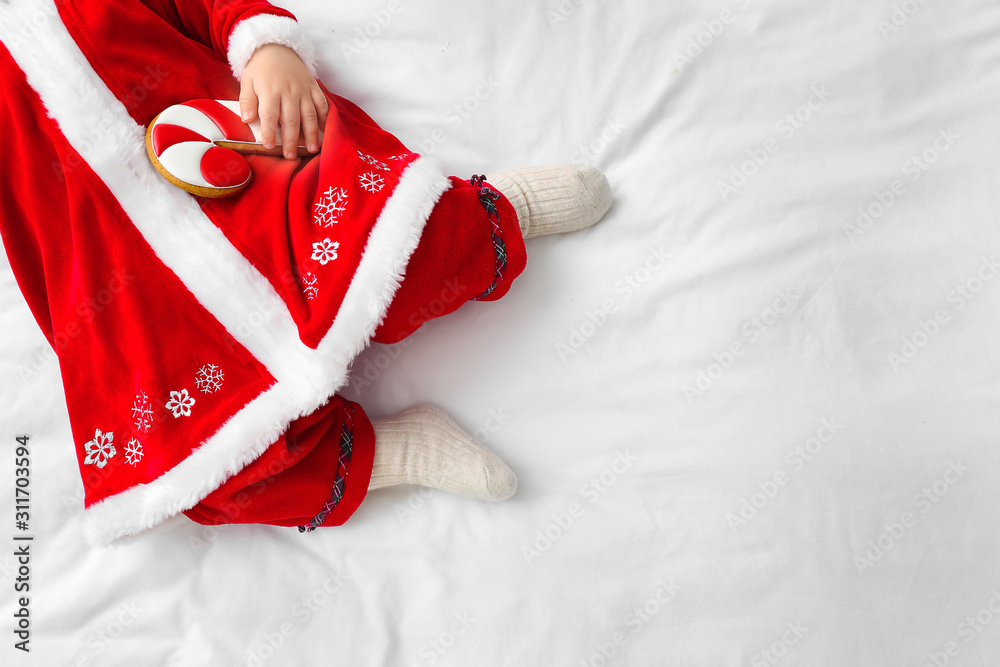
(752, 426)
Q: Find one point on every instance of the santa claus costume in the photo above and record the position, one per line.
(201, 342)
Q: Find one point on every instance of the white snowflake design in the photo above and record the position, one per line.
(133, 451)
(101, 449)
(325, 251)
(371, 182)
(142, 413)
(209, 379)
(378, 164)
(401, 156)
(180, 403)
(309, 281)
(327, 210)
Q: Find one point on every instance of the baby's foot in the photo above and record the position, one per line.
(424, 446)
(553, 200)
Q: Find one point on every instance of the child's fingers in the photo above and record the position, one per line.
(269, 109)
(321, 103)
(248, 101)
(310, 124)
(289, 128)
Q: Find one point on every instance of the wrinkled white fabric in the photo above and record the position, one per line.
(753, 412)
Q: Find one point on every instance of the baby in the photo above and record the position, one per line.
(207, 385)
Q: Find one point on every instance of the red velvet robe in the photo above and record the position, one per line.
(202, 341)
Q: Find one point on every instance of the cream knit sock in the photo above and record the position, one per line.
(422, 445)
(553, 200)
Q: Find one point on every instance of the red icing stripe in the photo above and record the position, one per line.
(232, 127)
(224, 168)
(165, 135)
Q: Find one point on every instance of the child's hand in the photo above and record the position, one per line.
(277, 86)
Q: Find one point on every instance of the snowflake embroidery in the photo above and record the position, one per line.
(329, 207)
(142, 412)
(325, 251)
(100, 449)
(209, 379)
(309, 281)
(180, 403)
(401, 156)
(378, 164)
(372, 182)
(133, 451)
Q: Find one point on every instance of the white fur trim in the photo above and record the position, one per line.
(263, 420)
(392, 241)
(250, 34)
(219, 277)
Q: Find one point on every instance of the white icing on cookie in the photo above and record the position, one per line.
(191, 119)
(183, 162)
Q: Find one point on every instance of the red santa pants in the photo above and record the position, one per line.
(318, 472)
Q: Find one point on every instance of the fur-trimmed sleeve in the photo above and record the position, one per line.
(236, 28)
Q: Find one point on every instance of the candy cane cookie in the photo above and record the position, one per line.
(199, 147)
